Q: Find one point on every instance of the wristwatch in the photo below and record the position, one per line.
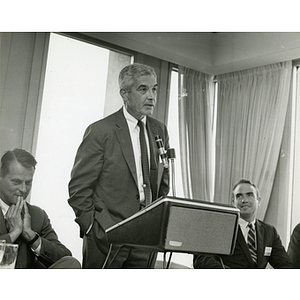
(34, 239)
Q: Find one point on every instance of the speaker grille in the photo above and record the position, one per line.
(194, 230)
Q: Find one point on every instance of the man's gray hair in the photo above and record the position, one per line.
(132, 71)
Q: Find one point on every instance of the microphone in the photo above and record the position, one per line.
(162, 152)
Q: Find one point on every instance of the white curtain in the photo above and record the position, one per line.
(195, 136)
(252, 107)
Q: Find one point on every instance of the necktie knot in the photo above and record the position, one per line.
(140, 124)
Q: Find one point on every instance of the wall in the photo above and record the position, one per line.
(22, 64)
(113, 100)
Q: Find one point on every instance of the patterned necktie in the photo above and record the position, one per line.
(251, 243)
(145, 165)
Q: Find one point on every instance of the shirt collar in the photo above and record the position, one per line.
(244, 223)
(131, 119)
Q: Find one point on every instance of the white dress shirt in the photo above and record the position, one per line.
(245, 229)
(134, 130)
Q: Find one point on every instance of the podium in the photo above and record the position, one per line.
(172, 224)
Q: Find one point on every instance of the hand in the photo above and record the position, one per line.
(28, 234)
(14, 219)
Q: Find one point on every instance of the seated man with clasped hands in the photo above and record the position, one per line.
(24, 224)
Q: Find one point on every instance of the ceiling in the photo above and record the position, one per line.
(210, 52)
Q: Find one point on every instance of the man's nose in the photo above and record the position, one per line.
(151, 94)
(22, 187)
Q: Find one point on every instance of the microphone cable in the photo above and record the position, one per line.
(107, 256)
(221, 261)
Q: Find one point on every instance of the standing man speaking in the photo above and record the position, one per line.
(116, 170)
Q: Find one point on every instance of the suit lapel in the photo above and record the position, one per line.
(244, 246)
(260, 242)
(3, 229)
(152, 132)
(123, 137)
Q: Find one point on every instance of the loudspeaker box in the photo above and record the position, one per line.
(172, 224)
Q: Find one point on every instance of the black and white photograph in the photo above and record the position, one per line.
(150, 138)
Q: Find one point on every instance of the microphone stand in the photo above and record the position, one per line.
(171, 157)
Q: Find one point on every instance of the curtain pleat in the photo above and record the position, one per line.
(252, 107)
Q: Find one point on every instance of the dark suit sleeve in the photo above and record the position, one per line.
(51, 249)
(294, 247)
(206, 261)
(87, 167)
(279, 258)
(3, 231)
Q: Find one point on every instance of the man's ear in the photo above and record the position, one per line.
(259, 200)
(232, 200)
(124, 94)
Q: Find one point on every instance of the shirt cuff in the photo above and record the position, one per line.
(37, 251)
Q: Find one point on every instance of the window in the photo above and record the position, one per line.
(77, 82)
(295, 203)
(173, 128)
(174, 136)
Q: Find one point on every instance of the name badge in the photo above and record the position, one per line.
(268, 251)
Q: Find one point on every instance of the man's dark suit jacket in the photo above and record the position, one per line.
(51, 250)
(269, 250)
(103, 187)
(294, 247)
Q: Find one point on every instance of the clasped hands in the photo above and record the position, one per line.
(19, 221)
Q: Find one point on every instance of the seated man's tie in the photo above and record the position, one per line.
(251, 243)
